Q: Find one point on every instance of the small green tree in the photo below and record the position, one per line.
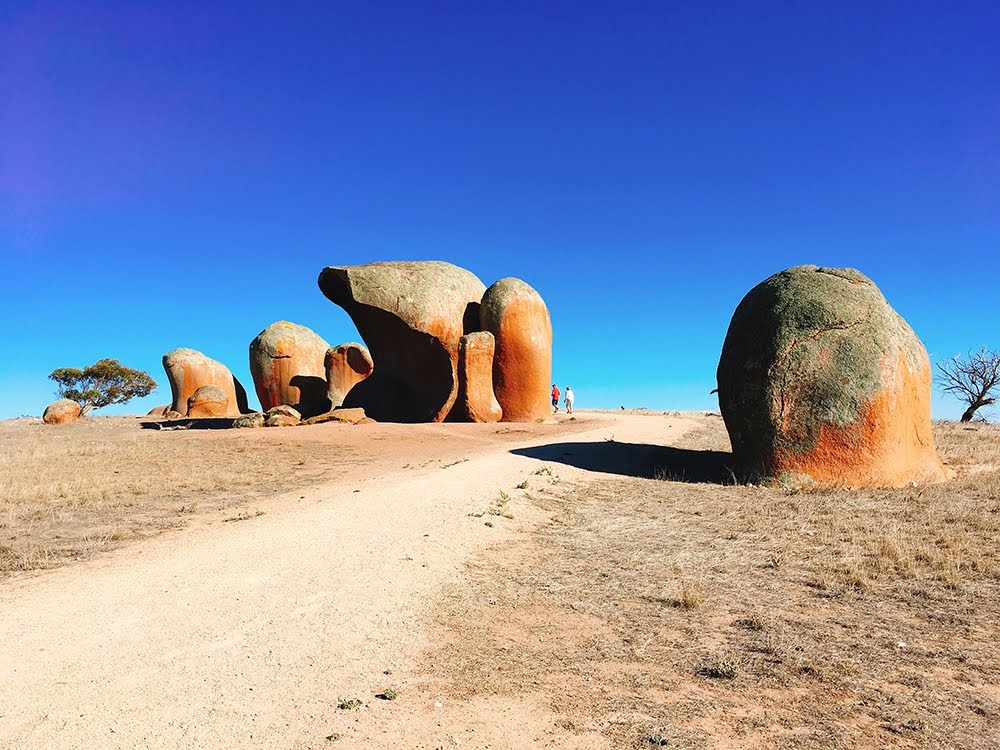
(103, 383)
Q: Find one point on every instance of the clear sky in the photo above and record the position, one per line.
(177, 173)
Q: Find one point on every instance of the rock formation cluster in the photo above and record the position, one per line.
(423, 323)
(822, 382)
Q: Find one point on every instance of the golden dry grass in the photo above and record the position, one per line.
(67, 492)
(665, 613)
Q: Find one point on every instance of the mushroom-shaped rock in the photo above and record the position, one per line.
(346, 365)
(188, 370)
(411, 316)
(821, 381)
(286, 362)
(208, 401)
(476, 401)
(63, 411)
(517, 317)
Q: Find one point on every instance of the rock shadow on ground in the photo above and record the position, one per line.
(639, 460)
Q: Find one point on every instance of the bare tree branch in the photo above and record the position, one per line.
(971, 380)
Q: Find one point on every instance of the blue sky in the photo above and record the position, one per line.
(177, 174)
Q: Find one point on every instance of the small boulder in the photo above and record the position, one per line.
(287, 365)
(208, 401)
(282, 416)
(822, 382)
(254, 419)
(517, 317)
(158, 411)
(173, 415)
(411, 316)
(346, 365)
(476, 400)
(188, 370)
(63, 411)
(351, 416)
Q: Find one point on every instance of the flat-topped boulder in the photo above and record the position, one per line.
(63, 411)
(188, 370)
(411, 315)
(346, 365)
(821, 381)
(517, 317)
(287, 366)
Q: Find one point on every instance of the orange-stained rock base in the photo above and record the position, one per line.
(346, 366)
(63, 411)
(891, 445)
(186, 377)
(476, 401)
(522, 364)
(208, 401)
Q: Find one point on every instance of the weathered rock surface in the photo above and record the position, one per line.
(208, 401)
(254, 419)
(173, 415)
(350, 416)
(63, 411)
(287, 365)
(346, 365)
(821, 381)
(476, 401)
(411, 315)
(282, 416)
(188, 370)
(517, 317)
(158, 411)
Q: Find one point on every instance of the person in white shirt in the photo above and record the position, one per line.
(568, 398)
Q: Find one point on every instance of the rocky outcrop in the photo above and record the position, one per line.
(821, 381)
(517, 317)
(287, 365)
(476, 401)
(63, 411)
(188, 370)
(346, 365)
(350, 416)
(208, 401)
(411, 316)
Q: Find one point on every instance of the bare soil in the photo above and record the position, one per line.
(592, 583)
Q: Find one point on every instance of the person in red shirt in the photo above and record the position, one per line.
(555, 398)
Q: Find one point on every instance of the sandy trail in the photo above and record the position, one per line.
(236, 635)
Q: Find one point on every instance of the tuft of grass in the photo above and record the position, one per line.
(389, 694)
(347, 704)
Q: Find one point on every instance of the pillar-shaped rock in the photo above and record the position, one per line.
(287, 365)
(411, 316)
(188, 370)
(517, 317)
(476, 401)
(346, 366)
(821, 381)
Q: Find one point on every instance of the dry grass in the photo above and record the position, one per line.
(68, 492)
(713, 615)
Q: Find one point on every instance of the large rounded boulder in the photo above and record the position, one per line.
(822, 382)
(208, 401)
(517, 317)
(63, 411)
(188, 370)
(287, 365)
(346, 365)
(411, 316)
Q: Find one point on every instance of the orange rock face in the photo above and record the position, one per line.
(517, 317)
(346, 365)
(63, 411)
(188, 370)
(411, 316)
(286, 362)
(476, 401)
(822, 382)
(208, 401)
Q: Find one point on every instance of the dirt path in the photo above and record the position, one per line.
(248, 634)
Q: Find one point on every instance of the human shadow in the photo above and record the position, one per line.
(639, 460)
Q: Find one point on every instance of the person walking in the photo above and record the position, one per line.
(568, 399)
(555, 398)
